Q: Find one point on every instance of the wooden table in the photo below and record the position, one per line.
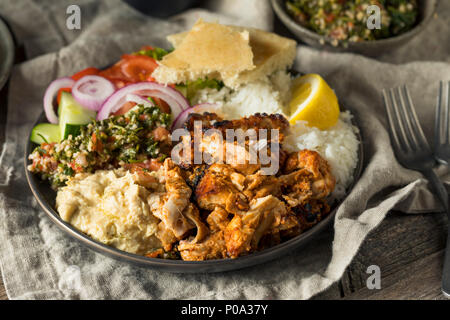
(407, 248)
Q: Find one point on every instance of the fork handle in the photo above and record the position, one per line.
(446, 269)
(439, 188)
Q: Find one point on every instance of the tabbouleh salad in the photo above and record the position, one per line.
(346, 20)
(119, 141)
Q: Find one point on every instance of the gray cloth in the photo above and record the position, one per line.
(38, 261)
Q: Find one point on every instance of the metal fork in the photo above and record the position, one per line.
(413, 151)
(442, 154)
(441, 126)
(408, 140)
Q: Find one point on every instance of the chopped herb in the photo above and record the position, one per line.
(190, 88)
(112, 142)
(155, 53)
(151, 100)
(68, 171)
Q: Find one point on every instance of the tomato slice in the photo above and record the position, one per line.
(137, 67)
(147, 48)
(115, 75)
(163, 106)
(130, 69)
(127, 106)
(86, 72)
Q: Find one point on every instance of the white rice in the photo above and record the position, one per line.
(338, 145)
(268, 95)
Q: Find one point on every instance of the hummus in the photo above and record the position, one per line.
(111, 207)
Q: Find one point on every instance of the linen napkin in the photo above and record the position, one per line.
(38, 261)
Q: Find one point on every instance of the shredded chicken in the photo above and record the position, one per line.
(218, 219)
(213, 246)
(169, 206)
(242, 209)
(308, 177)
(259, 185)
(256, 121)
(193, 215)
(243, 233)
(219, 186)
(166, 236)
(243, 156)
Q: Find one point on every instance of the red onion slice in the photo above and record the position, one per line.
(200, 108)
(50, 95)
(139, 100)
(91, 91)
(172, 97)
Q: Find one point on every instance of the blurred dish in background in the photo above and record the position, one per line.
(347, 21)
(373, 48)
(6, 53)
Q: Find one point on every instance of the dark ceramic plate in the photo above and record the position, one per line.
(46, 198)
(427, 9)
(6, 52)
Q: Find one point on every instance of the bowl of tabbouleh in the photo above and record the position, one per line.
(368, 27)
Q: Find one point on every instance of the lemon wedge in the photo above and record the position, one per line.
(313, 101)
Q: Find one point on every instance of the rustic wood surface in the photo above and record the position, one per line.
(3, 295)
(409, 251)
(407, 248)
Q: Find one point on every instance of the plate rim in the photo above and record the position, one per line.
(182, 266)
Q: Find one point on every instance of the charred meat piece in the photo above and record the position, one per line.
(244, 232)
(212, 247)
(259, 185)
(308, 177)
(256, 121)
(166, 236)
(220, 186)
(311, 213)
(246, 144)
(218, 219)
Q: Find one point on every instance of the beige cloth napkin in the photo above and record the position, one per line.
(40, 262)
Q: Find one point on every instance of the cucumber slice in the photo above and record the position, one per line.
(72, 116)
(45, 132)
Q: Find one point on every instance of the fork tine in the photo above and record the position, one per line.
(406, 120)
(400, 125)
(416, 129)
(441, 98)
(438, 118)
(446, 109)
(393, 120)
